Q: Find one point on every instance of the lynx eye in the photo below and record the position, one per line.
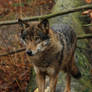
(37, 39)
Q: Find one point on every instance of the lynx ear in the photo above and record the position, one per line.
(44, 25)
(23, 24)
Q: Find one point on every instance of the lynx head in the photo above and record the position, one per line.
(35, 36)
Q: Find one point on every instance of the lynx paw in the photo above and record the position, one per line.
(36, 90)
(47, 89)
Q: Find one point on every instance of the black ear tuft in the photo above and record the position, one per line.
(22, 23)
(44, 25)
(20, 20)
(45, 22)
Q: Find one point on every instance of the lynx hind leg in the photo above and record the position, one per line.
(74, 70)
(68, 83)
(53, 82)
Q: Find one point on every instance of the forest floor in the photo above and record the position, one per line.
(61, 84)
(15, 69)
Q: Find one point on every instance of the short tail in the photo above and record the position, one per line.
(76, 75)
(75, 72)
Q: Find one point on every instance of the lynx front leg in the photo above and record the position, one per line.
(53, 82)
(40, 82)
(68, 83)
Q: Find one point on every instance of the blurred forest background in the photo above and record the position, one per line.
(15, 69)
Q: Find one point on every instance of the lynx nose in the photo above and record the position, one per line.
(29, 53)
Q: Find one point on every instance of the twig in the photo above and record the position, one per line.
(13, 52)
(83, 36)
(18, 85)
(86, 25)
(35, 18)
(86, 49)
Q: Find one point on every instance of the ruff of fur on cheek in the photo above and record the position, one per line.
(23, 42)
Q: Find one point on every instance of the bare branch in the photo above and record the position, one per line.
(87, 25)
(13, 52)
(83, 36)
(35, 18)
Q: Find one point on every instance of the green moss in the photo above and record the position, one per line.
(74, 21)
